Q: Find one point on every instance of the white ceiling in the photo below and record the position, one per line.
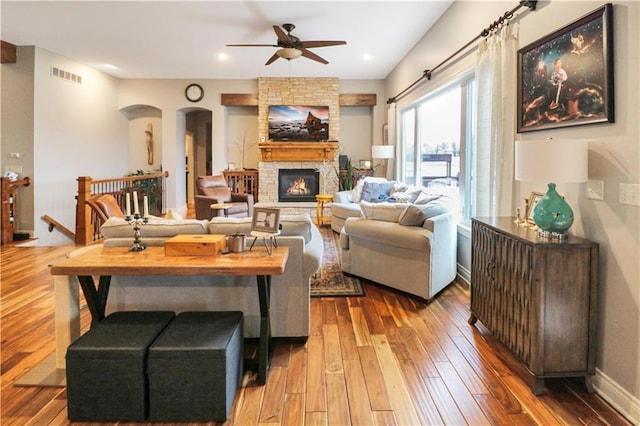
(182, 39)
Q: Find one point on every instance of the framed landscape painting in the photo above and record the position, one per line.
(566, 78)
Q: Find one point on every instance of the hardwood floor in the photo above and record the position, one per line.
(380, 359)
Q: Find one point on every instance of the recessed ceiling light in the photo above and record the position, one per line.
(223, 56)
(110, 66)
(367, 56)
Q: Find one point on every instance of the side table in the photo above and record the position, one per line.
(321, 199)
(222, 206)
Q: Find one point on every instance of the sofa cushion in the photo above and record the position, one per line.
(415, 215)
(344, 210)
(116, 227)
(388, 234)
(293, 224)
(385, 211)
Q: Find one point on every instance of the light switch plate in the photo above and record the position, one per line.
(595, 189)
(630, 194)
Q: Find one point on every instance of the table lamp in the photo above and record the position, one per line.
(554, 161)
(382, 152)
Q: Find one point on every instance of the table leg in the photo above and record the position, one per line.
(319, 212)
(96, 297)
(67, 315)
(264, 354)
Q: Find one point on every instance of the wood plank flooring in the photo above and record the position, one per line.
(383, 359)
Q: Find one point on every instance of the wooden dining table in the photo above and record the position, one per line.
(105, 262)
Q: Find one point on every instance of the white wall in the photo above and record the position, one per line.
(242, 122)
(139, 120)
(361, 126)
(17, 129)
(77, 131)
(614, 158)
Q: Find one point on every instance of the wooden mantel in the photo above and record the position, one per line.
(298, 151)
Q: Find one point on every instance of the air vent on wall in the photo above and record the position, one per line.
(66, 75)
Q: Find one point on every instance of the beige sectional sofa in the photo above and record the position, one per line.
(290, 292)
(409, 245)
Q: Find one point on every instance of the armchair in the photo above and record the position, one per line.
(214, 190)
(105, 206)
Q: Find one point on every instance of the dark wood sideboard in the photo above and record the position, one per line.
(538, 298)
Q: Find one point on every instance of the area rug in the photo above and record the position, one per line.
(329, 281)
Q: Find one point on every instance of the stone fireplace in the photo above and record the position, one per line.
(298, 185)
(294, 155)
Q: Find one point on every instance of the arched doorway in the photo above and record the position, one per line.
(198, 148)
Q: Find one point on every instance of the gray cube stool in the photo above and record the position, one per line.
(106, 367)
(195, 367)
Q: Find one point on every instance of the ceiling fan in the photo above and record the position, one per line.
(291, 47)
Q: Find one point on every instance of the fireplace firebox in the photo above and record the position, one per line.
(298, 185)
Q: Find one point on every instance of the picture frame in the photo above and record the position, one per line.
(266, 220)
(566, 78)
(364, 165)
(531, 203)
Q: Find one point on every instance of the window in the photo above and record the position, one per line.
(437, 135)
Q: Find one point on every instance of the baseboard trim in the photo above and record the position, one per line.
(627, 404)
(464, 275)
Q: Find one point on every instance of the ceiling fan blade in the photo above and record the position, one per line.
(320, 43)
(310, 55)
(252, 45)
(282, 36)
(272, 59)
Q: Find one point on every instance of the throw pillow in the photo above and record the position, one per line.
(407, 194)
(373, 190)
(172, 215)
(424, 198)
(356, 193)
(415, 215)
(387, 212)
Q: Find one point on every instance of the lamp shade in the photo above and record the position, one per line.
(382, 151)
(559, 161)
(552, 161)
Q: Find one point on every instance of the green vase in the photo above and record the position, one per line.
(552, 214)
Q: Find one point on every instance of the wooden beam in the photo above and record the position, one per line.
(239, 99)
(251, 99)
(8, 52)
(358, 99)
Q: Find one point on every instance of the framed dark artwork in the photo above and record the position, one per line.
(566, 78)
(298, 123)
(265, 220)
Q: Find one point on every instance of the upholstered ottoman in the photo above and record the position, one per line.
(195, 367)
(106, 367)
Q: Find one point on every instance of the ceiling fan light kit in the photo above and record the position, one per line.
(291, 47)
(289, 53)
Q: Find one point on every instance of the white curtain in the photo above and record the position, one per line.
(496, 93)
(391, 140)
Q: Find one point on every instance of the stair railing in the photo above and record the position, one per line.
(88, 223)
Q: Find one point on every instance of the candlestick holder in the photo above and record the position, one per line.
(137, 221)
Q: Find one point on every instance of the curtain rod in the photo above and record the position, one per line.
(531, 4)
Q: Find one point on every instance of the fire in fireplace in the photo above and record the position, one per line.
(300, 185)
